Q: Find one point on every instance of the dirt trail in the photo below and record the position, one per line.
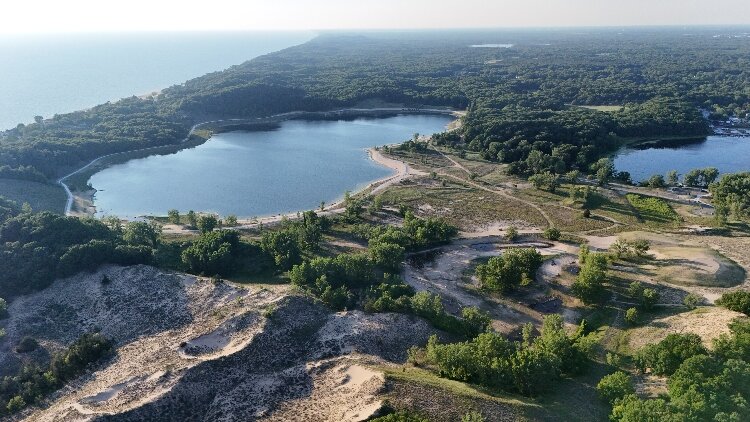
(442, 271)
(498, 192)
(523, 201)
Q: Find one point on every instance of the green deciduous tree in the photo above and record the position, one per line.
(173, 216)
(589, 283)
(673, 178)
(283, 246)
(139, 233)
(386, 255)
(207, 223)
(192, 219)
(731, 196)
(666, 356)
(212, 253)
(515, 267)
(615, 386)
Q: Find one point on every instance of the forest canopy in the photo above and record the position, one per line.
(520, 99)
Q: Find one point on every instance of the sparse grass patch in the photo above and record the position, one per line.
(653, 210)
(462, 206)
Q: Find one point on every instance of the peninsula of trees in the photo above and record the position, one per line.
(527, 105)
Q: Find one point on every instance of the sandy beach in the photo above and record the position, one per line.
(403, 171)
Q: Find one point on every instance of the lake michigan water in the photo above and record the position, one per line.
(48, 74)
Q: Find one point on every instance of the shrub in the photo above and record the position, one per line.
(477, 321)
(650, 298)
(615, 386)
(552, 233)
(515, 267)
(666, 356)
(230, 220)
(511, 234)
(635, 290)
(692, 300)
(15, 404)
(738, 301)
(472, 417)
(629, 250)
(27, 344)
(613, 359)
(631, 316)
(31, 383)
(3, 308)
(401, 416)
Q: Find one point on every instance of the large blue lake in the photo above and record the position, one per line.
(728, 154)
(258, 173)
(44, 75)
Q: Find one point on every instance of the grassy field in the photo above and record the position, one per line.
(41, 196)
(653, 210)
(565, 215)
(463, 206)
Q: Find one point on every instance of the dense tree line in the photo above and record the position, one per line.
(36, 248)
(703, 385)
(32, 383)
(528, 367)
(731, 196)
(521, 100)
(738, 301)
(49, 147)
(415, 233)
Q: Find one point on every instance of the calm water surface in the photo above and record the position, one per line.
(728, 154)
(258, 173)
(59, 73)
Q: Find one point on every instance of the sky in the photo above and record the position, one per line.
(45, 16)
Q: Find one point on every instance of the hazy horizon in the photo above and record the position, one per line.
(50, 16)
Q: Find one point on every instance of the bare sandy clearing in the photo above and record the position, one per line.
(442, 271)
(707, 322)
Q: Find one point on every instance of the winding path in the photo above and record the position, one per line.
(499, 192)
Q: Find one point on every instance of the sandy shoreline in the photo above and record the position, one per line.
(85, 200)
(403, 171)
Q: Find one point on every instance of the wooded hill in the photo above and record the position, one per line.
(519, 99)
